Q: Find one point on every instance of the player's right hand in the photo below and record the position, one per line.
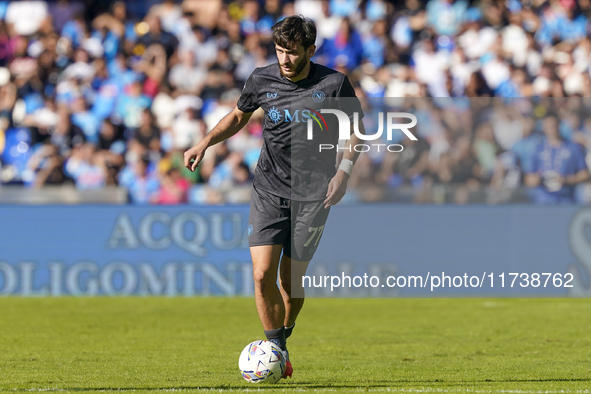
(194, 156)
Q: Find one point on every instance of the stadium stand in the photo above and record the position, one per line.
(101, 95)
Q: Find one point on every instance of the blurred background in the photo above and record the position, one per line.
(99, 99)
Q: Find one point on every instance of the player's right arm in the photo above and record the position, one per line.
(227, 127)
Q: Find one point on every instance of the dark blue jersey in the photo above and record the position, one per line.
(290, 165)
(551, 162)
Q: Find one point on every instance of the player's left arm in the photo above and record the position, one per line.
(337, 186)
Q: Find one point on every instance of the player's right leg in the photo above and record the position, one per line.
(268, 298)
(269, 303)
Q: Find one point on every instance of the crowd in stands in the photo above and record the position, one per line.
(97, 94)
(491, 142)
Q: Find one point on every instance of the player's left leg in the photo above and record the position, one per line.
(289, 270)
(307, 225)
(290, 274)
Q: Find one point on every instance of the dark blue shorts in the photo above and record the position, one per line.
(297, 225)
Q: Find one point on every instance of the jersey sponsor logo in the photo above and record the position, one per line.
(318, 96)
(275, 115)
(271, 95)
(297, 116)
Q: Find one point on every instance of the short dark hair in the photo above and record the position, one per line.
(293, 30)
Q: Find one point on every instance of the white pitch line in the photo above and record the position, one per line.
(298, 389)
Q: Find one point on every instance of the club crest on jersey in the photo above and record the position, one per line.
(271, 95)
(274, 115)
(318, 96)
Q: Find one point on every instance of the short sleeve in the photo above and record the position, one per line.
(346, 89)
(351, 103)
(248, 101)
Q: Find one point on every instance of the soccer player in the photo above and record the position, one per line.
(292, 192)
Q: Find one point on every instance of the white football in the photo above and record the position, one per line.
(262, 362)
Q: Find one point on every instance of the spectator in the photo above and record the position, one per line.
(111, 140)
(65, 135)
(557, 166)
(186, 75)
(8, 42)
(85, 119)
(131, 104)
(344, 49)
(525, 148)
(153, 66)
(374, 46)
(47, 165)
(155, 35)
(409, 166)
(147, 135)
(86, 168)
(173, 189)
(140, 182)
(430, 65)
(485, 149)
(445, 16)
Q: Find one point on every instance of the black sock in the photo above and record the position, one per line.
(277, 336)
(288, 331)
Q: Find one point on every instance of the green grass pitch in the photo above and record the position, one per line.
(340, 345)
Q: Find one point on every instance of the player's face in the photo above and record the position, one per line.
(292, 61)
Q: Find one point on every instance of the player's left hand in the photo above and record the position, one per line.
(336, 189)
